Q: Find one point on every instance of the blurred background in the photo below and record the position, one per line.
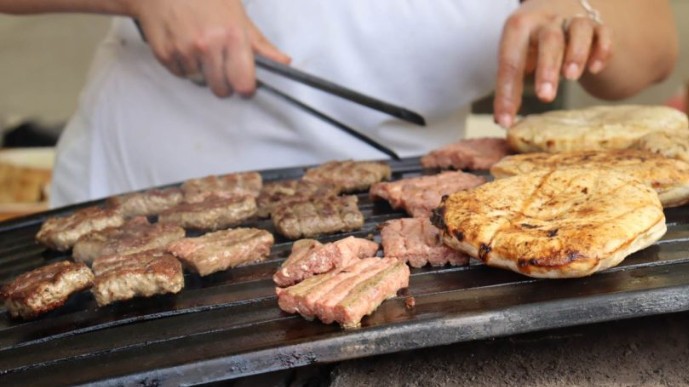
(44, 61)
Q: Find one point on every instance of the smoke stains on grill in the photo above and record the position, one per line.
(483, 251)
(552, 233)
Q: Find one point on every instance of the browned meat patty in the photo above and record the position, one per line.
(230, 185)
(222, 250)
(317, 216)
(134, 236)
(417, 242)
(348, 295)
(46, 288)
(288, 191)
(150, 202)
(309, 257)
(143, 274)
(476, 153)
(60, 233)
(214, 213)
(420, 195)
(352, 176)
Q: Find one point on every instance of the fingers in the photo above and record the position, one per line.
(580, 33)
(602, 49)
(264, 47)
(512, 60)
(240, 70)
(551, 43)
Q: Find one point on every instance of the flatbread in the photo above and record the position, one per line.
(669, 145)
(553, 224)
(594, 128)
(668, 177)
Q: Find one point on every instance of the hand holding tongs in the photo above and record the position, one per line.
(329, 87)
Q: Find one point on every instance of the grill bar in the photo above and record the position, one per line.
(228, 325)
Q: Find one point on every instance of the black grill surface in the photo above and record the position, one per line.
(228, 325)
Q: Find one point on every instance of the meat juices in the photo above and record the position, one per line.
(45, 288)
(352, 176)
(420, 195)
(288, 191)
(417, 242)
(143, 274)
(348, 295)
(134, 236)
(225, 186)
(222, 250)
(213, 213)
(311, 217)
(60, 233)
(476, 153)
(310, 257)
(149, 202)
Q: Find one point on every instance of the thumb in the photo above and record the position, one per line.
(263, 47)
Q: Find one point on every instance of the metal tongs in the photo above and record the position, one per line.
(329, 87)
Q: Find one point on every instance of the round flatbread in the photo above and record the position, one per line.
(553, 224)
(594, 128)
(669, 145)
(668, 177)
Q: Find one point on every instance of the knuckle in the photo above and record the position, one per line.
(517, 21)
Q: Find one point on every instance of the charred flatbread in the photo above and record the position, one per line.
(668, 177)
(593, 128)
(553, 224)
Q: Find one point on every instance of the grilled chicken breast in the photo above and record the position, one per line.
(553, 224)
(593, 128)
(668, 177)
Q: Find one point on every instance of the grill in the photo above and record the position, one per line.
(228, 325)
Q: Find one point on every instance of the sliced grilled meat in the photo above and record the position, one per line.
(221, 250)
(150, 202)
(417, 242)
(474, 153)
(310, 257)
(134, 236)
(226, 186)
(214, 213)
(420, 195)
(288, 191)
(143, 274)
(311, 217)
(352, 176)
(45, 288)
(60, 233)
(348, 295)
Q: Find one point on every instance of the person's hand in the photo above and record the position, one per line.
(550, 38)
(211, 37)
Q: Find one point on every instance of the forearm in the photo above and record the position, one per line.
(645, 47)
(23, 7)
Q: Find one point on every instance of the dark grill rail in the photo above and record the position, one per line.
(228, 325)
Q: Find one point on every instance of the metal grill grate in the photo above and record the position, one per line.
(228, 325)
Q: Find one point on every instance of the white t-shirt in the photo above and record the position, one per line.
(139, 126)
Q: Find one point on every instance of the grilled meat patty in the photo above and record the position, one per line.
(417, 242)
(474, 153)
(348, 295)
(45, 288)
(142, 274)
(310, 257)
(288, 191)
(311, 217)
(134, 236)
(351, 176)
(593, 128)
(60, 233)
(668, 177)
(553, 224)
(149, 202)
(213, 213)
(420, 195)
(221, 250)
(225, 186)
